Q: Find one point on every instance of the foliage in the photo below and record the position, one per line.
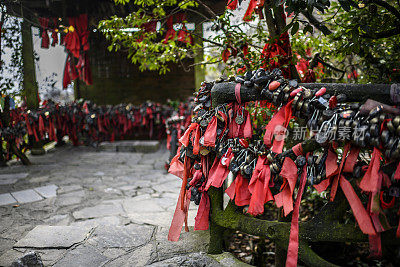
(360, 38)
(11, 73)
(146, 48)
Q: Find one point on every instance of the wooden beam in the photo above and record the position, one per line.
(225, 92)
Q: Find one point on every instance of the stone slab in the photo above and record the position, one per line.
(189, 242)
(69, 199)
(47, 191)
(9, 257)
(109, 220)
(130, 146)
(139, 257)
(7, 199)
(101, 210)
(159, 218)
(26, 196)
(82, 256)
(192, 259)
(68, 188)
(136, 206)
(129, 236)
(45, 236)
(11, 178)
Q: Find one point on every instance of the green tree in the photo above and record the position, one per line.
(356, 37)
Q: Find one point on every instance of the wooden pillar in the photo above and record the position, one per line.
(30, 86)
(199, 70)
(216, 245)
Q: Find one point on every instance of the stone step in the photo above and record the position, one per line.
(130, 146)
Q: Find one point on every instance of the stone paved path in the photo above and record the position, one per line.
(82, 207)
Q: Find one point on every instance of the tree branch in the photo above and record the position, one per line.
(382, 34)
(388, 7)
(317, 24)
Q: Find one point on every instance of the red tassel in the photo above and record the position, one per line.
(211, 133)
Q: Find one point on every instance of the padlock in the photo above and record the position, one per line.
(385, 136)
(396, 121)
(374, 130)
(390, 126)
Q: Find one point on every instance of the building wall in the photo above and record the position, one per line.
(117, 80)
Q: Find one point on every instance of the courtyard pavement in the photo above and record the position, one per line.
(78, 206)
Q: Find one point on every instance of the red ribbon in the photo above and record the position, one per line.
(250, 9)
(176, 166)
(210, 134)
(289, 176)
(397, 173)
(180, 217)
(239, 190)
(362, 217)
(292, 255)
(369, 183)
(219, 170)
(203, 213)
(232, 4)
(259, 187)
(184, 140)
(281, 118)
(331, 168)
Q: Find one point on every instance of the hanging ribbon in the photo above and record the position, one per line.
(279, 121)
(259, 187)
(44, 23)
(239, 191)
(219, 170)
(369, 183)
(210, 134)
(232, 4)
(292, 254)
(289, 175)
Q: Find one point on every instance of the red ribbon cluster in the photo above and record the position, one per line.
(256, 191)
(77, 44)
(88, 122)
(48, 24)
